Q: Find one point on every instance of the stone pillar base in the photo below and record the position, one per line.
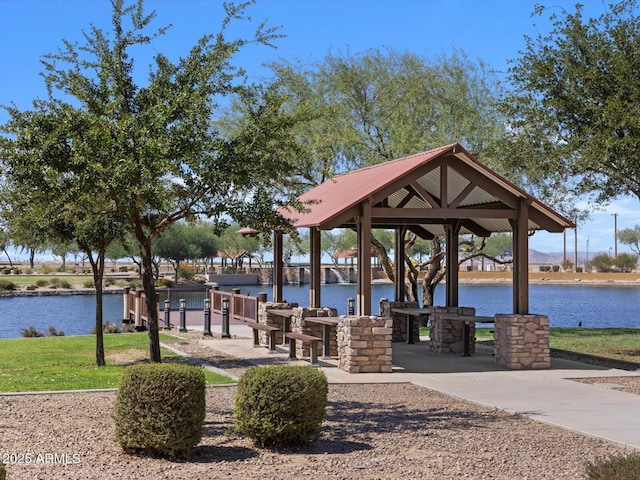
(399, 320)
(522, 341)
(266, 318)
(447, 336)
(364, 344)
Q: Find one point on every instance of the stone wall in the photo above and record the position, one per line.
(447, 336)
(364, 344)
(522, 341)
(400, 320)
(300, 325)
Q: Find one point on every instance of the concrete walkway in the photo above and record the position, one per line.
(545, 395)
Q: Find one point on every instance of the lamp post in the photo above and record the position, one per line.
(183, 315)
(351, 306)
(207, 318)
(167, 314)
(225, 318)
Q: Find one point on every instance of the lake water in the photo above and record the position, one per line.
(566, 305)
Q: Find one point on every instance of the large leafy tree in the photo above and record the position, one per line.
(384, 104)
(573, 110)
(159, 154)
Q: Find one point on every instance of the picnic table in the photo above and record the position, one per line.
(410, 314)
(286, 314)
(327, 323)
(468, 320)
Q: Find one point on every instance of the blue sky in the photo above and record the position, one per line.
(490, 30)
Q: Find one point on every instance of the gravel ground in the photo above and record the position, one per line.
(370, 432)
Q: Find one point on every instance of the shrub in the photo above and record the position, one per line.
(545, 268)
(160, 409)
(3, 473)
(164, 282)
(626, 262)
(65, 284)
(41, 282)
(281, 406)
(46, 270)
(602, 263)
(615, 467)
(7, 285)
(31, 332)
(54, 332)
(187, 272)
(108, 327)
(88, 284)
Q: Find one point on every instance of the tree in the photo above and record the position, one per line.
(382, 104)
(159, 155)
(573, 110)
(625, 262)
(176, 243)
(631, 237)
(50, 194)
(602, 263)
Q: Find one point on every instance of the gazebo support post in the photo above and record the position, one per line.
(364, 259)
(315, 267)
(521, 259)
(278, 264)
(400, 266)
(453, 230)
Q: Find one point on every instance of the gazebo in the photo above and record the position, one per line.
(441, 192)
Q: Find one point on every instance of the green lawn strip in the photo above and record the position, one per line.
(618, 343)
(68, 363)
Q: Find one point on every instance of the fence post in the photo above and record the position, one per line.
(225, 318)
(126, 307)
(183, 315)
(207, 318)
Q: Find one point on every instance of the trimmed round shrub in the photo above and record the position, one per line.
(281, 406)
(160, 409)
(615, 467)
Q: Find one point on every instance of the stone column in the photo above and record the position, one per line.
(400, 320)
(364, 344)
(522, 341)
(447, 336)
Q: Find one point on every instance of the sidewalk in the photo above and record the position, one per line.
(545, 395)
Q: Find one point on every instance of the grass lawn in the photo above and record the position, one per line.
(32, 279)
(68, 363)
(618, 343)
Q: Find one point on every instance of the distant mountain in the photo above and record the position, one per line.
(556, 258)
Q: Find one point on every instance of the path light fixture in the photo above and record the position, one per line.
(225, 318)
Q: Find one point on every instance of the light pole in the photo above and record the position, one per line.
(615, 233)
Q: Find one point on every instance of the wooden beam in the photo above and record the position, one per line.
(426, 196)
(278, 264)
(364, 260)
(462, 195)
(418, 215)
(315, 267)
(452, 284)
(444, 200)
(400, 265)
(521, 260)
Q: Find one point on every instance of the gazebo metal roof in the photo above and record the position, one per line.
(423, 192)
(440, 192)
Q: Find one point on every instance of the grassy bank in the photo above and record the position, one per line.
(618, 343)
(68, 363)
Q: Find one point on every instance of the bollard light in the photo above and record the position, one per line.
(183, 315)
(225, 318)
(207, 318)
(167, 314)
(351, 306)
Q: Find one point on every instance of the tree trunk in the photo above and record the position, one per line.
(146, 265)
(32, 254)
(97, 267)
(435, 272)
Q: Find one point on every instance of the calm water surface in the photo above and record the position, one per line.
(566, 305)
